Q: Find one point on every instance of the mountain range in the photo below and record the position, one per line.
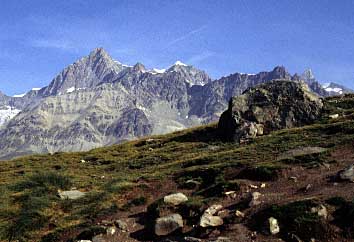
(98, 101)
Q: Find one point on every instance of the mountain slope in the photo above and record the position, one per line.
(294, 170)
(98, 101)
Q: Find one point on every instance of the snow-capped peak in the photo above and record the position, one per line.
(179, 63)
(19, 95)
(36, 89)
(326, 85)
(157, 71)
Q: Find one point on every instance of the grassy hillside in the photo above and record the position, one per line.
(122, 180)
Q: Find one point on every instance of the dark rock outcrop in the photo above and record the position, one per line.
(272, 106)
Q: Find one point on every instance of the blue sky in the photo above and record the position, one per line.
(40, 37)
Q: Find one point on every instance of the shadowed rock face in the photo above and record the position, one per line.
(271, 106)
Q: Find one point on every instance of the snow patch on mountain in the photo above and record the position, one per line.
(335, 89)
(7, 113)
(179, 63)
(70, 90)
(20, 95)
(326, 85)
(155, 71)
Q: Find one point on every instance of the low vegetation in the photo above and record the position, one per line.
(122, 177)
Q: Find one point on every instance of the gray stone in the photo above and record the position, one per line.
(320, 210)
(99, 238)
(209, 219)
(71, 195)
(168, 224)
(221, 239)
(213, 209)
(175, 199)
(111, 230)
(273, 226)
(192, 239)
(255, 199)
(347, 173)
(123, 226)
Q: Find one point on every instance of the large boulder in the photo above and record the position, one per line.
(271, 106)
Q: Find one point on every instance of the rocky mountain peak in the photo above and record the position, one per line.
(308, 75)
(280, 72)
(138, 67)
(96, 68)
(99, 52)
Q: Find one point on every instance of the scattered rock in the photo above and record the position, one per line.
(273, 226)
(123, 226)
(230, 193)
(175, 199)
(213, 209)
(84, 241)
(255, 196)
(253, 186)
(326, 165)
(213, 147)
(209, 220)
(294, 178)
(221, 239)
(334, 116)
(192, 184)
(308, 187)
(106, 222)
(192, 239)
(83, 161)
(321, 211)
(71, 195)
(263, 185)
(347, 173)
(168, 224)
(99, 238)
(223, 213)
(111, 230)
(239, 214)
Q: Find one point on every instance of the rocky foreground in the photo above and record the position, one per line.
(279, 177)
